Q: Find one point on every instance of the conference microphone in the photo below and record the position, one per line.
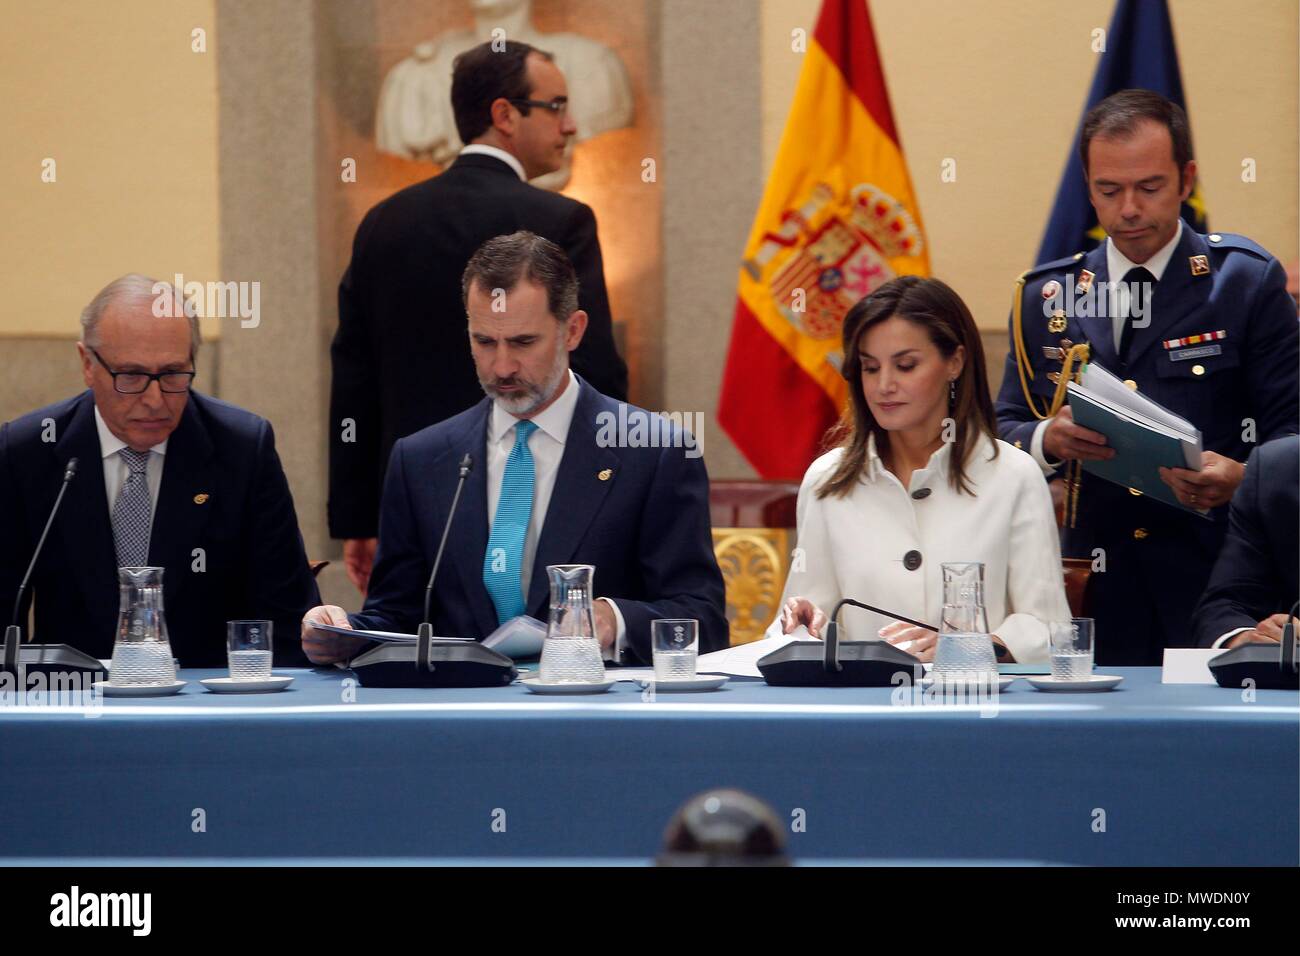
(437, 663)
(831, 662)
(425, 634)
(44, 657)
(1266, 666)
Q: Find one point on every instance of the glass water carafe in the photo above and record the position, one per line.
(964, 652)
(571, 651)
(142, 653)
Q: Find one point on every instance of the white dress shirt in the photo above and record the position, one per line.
(854, 546)
(546, 444)
(1117, 267)
(500, 154)
(116, 470)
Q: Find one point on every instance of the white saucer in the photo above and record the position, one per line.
(229, 685)
(1004, 681)
(696, 683)
(537, 686)
(139, 690)
(1094, 682)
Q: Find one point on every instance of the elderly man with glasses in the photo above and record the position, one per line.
(167, 477)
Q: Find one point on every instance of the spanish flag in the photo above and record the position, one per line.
(838, 219)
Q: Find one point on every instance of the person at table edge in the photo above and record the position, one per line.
(551, 483)
(1257, 577)
(166, 477)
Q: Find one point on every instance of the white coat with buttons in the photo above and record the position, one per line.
(857, 546)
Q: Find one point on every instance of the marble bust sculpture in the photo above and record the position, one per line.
(415, 119)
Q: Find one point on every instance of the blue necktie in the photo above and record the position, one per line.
(503, 562)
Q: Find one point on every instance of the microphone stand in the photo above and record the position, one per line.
(831, 658)
(12, 662)
(424, 636)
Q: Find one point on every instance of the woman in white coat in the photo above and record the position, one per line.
(919, 478)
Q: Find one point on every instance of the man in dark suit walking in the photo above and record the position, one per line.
(1256, 580)
(167, 478)
(561, 474)
(399, 361)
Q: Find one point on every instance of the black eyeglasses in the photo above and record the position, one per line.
(559, 106)
(133, 383)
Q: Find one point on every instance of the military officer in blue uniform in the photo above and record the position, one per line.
(1209, 332)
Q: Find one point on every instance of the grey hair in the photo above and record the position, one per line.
(167, 299)
(500, 263)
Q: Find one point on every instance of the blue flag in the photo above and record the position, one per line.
(1139, 54)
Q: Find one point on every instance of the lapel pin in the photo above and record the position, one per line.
(1051, 289)
(1200, 265)
(1085, 281)
(605, 474)
(201, 499)
(1056, 324)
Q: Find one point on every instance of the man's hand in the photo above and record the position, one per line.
(1268, 630)
(1210, 487)
(324, 647)
(1063, 440)
(358, 559)
(800, 610)
(606, 623)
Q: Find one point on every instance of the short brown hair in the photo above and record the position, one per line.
(1119, 114)
(501, 262)
(934, 306)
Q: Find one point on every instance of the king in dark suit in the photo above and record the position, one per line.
(400, 363)
(561, 475)
(1216, 342)
(166, 477)
(1257, 577)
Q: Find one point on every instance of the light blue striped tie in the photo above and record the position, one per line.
(503, 562)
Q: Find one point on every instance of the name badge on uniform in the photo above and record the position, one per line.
(1196, 351)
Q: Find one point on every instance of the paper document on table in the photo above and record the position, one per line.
(520, 637)
(387, 637)
(1188, 665)
(742, 660)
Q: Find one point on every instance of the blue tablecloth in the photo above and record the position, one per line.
(1149, 774)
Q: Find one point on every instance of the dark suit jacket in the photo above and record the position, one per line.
(401, 354)
(645, 528)
(1258, 571)
(253, 564)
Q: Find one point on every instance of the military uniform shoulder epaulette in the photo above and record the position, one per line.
(1228, 240)
(1064, 263)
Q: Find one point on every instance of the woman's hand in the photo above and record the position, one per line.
(922, 641)
(799, 611)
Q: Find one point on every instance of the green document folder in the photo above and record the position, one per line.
(1142, 448)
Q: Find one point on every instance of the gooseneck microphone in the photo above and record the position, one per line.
(1261, 663)
(831, 659)
(441, 662)
(425, 634)
(830, 663)
(1288, 661)
(13, 633)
